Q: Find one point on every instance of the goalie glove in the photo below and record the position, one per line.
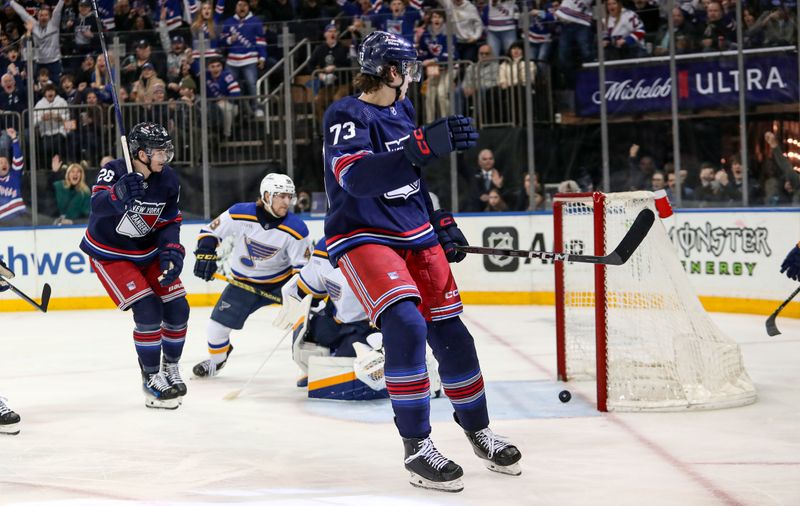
(368, 366)
(449, 235)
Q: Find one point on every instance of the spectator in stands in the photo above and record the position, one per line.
(84, 39)
(501, 29)
(708, 190)
(133, 65)
(45, 32)
(72, 196)
(175, 12)
(717, 33)
(569, 186)
(12, 206)
(142, 91)
(687, 193)
(13, 98)
(685, 35)
(303, 204)
(541, 31)
(523, 196)
(310, 13)
(480, 183)
(123, 18)
(208, 22)
(176, 54)
(49, 118)
(220, 87)
(467, 26)
(753, 32)
(639, 174)
(399, 20)
(90, 127)
(433, 53)
(483, 74)
(495, 202)
(778, 164)
(624, 32)
(575, 39)
(280, 10)
(331, 84)
(42, 80)
(658, 181)
(513, 73)
(243, 36)
(11, 63)
(777, 25)
(649, 14)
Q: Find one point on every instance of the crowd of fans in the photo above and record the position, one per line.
(159, 67)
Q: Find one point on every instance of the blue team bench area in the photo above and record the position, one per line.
(508, 400)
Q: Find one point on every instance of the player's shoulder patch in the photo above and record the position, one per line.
(243, 211)
(294, 226)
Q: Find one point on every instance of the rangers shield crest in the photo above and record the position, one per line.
(140, 219)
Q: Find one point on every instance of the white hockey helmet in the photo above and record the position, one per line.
(275, 183)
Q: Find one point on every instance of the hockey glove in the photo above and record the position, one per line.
(791, 264)
(171, 261)
(449, 235)
(205, 264)
(128, 188)
(438, 139)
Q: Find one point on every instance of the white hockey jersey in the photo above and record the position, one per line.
(320, 278)
(264, 250)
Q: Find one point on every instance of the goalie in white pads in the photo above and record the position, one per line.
(9, 421)
(338, 328)
(270, 245)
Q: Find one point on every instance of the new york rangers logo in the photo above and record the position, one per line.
(334, 289)
(435, 49)
(256, 251)
(140, 218)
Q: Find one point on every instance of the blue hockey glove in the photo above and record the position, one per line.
(449, 235)
(791, 264)
(205, 264)
(438, 139)
(171, 261)
(129, 188)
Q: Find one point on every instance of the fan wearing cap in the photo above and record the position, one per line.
(143, 89)
(177, 53)
(142, 53)
(324, 60)
(84, 28)
(394, 250)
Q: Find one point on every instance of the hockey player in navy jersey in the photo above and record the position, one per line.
(9, 420)
(133, 239)
(270, 244)
(394, 249)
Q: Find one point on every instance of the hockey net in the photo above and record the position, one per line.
(639, 328)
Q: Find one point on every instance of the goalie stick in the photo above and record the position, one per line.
(772, 328)
(633, 238)
(245, 286)
(45, 296)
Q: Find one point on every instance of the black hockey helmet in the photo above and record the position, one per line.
(148, 136)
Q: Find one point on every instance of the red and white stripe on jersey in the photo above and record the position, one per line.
(126, 283)
(628, 24)
(12, 207)
(466, 391)
(17, 163)
(110, 251)
(502, 17)
(539, 38)
(342, 164)
(377, 233)
(445, 312)
(575, 11)
(415, 4)
(119, 290)
(147, 338)
(175, 336)
(242, 59)
(210, 53)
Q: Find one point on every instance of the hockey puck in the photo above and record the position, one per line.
(564, 396)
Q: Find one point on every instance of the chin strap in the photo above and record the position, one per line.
(268, 206)
(397, 88)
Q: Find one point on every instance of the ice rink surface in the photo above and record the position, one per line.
(87, 438)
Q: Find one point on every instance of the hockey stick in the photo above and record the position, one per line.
(625, 248)
(245, 286)
(115, 98)
(236, 393)
(45, 296)
(772, 329)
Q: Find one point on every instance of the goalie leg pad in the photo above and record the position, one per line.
(333, 378)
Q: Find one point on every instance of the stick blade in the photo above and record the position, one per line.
(636, 234)
(232, 395)
(772, 328)
(46, 290)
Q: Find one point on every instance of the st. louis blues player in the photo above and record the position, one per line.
(393, 249)
(133, 239)
(270, 245)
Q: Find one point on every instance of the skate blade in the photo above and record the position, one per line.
(154, 403)
(11, 429)
(513, 469)
(445, 486)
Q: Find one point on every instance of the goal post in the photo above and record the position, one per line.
(639, 329)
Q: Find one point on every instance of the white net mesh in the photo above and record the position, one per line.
(663, 350)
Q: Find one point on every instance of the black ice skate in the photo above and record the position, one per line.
(172, 373)
(9, 421)
(429, 468)
(207, 368)
(158, 393)
(497, 453)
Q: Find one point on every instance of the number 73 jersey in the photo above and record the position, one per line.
(364, 205)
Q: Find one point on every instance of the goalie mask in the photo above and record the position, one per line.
(274, 184)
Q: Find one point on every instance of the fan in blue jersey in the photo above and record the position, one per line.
(270, 244)
(12, 207)
(393, 248)
(133, 239)
(9, 420)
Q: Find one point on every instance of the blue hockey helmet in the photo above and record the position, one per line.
(382, 49)
(148, 137)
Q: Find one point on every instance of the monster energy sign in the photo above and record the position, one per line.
(720, 242)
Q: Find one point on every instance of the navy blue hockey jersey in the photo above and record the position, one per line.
(374, 193)
(136, 233)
